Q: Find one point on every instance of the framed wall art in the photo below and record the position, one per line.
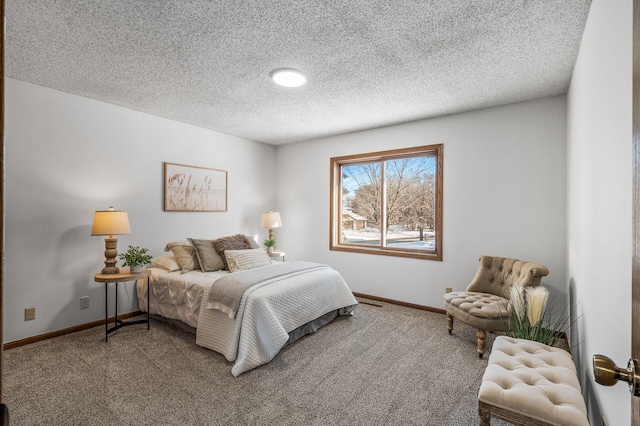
(194, 189)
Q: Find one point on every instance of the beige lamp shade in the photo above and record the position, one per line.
(110, 222)
(271, 219)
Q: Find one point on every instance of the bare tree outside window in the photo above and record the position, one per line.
(388, 202)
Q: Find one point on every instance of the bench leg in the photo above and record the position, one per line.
(485, 414)
(449, 322)
(482, 335)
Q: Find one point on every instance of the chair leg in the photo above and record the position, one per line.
(449, 322)
(481, 334)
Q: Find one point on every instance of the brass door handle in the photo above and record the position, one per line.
(607, 373)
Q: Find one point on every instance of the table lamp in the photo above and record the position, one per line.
(271, 220)
(111, 222)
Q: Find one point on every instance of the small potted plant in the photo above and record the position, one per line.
(135, 258)
(270, 244)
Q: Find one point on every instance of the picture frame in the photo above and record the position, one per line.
(194, 189)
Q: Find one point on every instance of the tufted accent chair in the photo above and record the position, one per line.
(484, 304)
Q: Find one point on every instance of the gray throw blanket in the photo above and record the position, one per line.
(226, 292)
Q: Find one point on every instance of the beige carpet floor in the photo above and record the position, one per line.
(388, 365)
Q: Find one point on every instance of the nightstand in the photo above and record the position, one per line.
(277, 254)
(121, 277)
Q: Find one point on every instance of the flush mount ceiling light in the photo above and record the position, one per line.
(288, 77)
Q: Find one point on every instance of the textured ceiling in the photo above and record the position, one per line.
(369, 63)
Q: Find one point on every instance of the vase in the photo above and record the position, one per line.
(136, 269)
(269, 249)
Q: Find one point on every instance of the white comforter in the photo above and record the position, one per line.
(265, 317)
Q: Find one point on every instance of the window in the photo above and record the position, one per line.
(388, 203)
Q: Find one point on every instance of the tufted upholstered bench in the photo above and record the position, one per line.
(529, 383)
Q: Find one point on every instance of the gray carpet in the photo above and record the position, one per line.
(386, 365)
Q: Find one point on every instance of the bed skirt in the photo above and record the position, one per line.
(294, 335)
(313, 326)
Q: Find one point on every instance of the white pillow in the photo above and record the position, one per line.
(167, 262)
(241, 260)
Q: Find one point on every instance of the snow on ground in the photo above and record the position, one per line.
(395, 238)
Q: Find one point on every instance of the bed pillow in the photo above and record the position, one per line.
(185, 255)
(234, 242)
(241, 260)
(208, 257)
(167, 262)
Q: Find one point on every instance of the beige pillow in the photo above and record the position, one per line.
(167, 262)
(185, 255)
(208, 257)
(241, 260)
(234, 242)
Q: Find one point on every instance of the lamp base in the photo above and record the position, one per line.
(108, 270)
(110, 253)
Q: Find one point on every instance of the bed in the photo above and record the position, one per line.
(250, 307)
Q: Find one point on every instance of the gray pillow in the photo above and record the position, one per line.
(208, 257)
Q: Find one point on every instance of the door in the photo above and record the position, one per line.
(1, 182)
(635, 278)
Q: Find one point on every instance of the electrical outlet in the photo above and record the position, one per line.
(448, 290)
(84, 302)
(29, 314)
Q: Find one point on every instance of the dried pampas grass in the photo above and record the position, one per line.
(530, 317)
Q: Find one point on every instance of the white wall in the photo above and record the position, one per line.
(67, 156)
(599, 207)
(504, 195)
